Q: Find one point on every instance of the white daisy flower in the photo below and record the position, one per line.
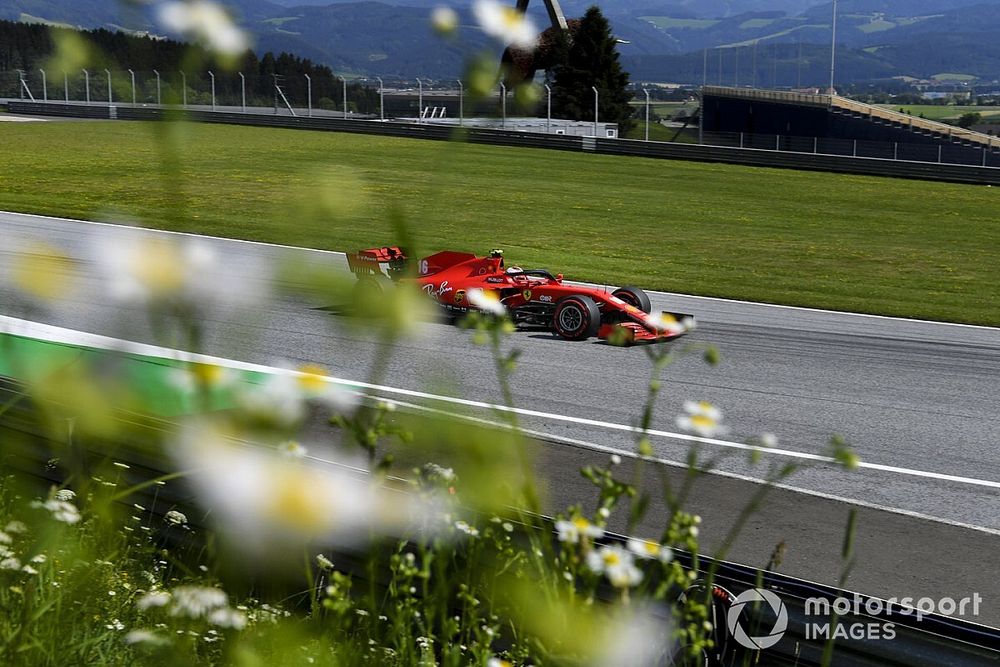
(61, 510)
(768, 440)
(175, 518)
(505, 23)
(27, 569)
(267, 501)
(39, 559)
(141, 268)
(444, 20)
(144, 637)
(196, 601)
(464, 526)
(572, 531)
(5, 538)
(616, 564)
(225, 617)
(205, 22)
(668, 324)
(488, 301)
(16, 527)
(323, 562)
(701, 418)
(65, 494)
(10, 563)
(153, 599)
(650, 550)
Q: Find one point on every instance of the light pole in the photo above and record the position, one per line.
(420, 100)
(309, 94)
(132, 74)
(211, 75)
(548, 109)
(381, 98)
(66, 85)
(157, 87)
(503, 105)
(45, 87)
(343, 83)
(184, 90)
(243, 92)
(833, 47)
(461, 102)
(86, 76)
(108, 72)
(645, 90)
(597, 97)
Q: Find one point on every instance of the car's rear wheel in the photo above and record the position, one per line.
(576, 318)
(634, 296)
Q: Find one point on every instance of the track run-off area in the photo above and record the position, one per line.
(917, 400)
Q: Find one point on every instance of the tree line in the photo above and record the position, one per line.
(29, 47)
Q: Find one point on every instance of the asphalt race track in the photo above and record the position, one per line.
(917, 400)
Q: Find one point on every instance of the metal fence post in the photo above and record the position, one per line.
(855, 152)
(461, 102)
(815, 145)
(984, 156)
(343, 83)
(158, 99)
(184, 89)
(548, 109)
(939, 152)
(597, 99)
(503, 105)
(741, 140)
(309, 95)
(66, 85)
(420, 100)
(381, 98)
(132, 75)
(108, 72)
(777, 142)
(243, 92)
(211, 75)
(646, 90)
(895, 150)
(86, 77)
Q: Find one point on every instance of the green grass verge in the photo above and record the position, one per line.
(879, 245)
(942, 111)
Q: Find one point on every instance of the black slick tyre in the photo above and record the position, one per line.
(576, 318)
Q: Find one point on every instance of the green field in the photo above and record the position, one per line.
(944, 112)
(667, 22)
(910, 248)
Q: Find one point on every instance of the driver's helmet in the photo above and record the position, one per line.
(496, 252)
(515, 269)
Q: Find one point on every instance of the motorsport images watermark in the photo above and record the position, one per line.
(820, 611)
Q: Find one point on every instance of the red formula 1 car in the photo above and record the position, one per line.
(532, 297)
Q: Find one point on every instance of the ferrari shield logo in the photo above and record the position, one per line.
(526, 294)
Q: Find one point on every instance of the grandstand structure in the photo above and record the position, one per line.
(824, 117)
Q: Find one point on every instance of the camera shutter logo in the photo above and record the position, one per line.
(749, 597)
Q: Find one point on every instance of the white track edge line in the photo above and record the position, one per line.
(670, 294)
(59, 335)
(583, 444)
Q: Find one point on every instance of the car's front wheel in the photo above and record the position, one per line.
(576, 318)
(634, 296)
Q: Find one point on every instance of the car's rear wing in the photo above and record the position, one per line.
(388, 260)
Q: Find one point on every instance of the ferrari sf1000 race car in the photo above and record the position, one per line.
(459, 282)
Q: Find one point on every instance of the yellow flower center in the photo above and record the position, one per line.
(581, 523)
(207, 374)
(511, 17)
(651, 548)
(312, 378)
(702, 421)
(159, 267)
(611, 559)
(43, 271)
(293, 505)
